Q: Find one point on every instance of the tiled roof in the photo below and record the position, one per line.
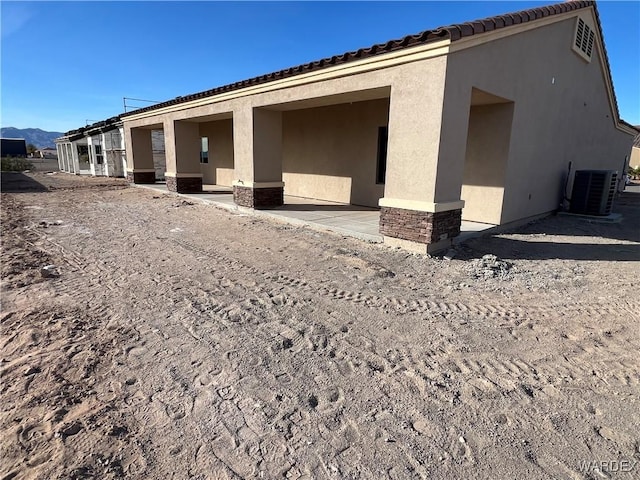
(636, 141)
(452, 32)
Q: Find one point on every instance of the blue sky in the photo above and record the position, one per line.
(64, 63)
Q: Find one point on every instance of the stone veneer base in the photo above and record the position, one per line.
(258, 197)
(141, 177)
(184, 184)
(426, 228)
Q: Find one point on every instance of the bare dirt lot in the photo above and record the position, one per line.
(180, 341)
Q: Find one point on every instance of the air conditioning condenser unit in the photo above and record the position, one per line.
(593, 192)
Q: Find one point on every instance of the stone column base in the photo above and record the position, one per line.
(184, 184)
(141, 177)
(433, 230)
(267, 197)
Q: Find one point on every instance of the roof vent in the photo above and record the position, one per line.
(583, 43)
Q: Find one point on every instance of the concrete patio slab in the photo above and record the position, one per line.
(349, 220)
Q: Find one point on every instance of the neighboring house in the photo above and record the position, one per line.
(634, 158)
(96, 149)
(73, 153)
(476, 121)
(46, 153)
(13, 147)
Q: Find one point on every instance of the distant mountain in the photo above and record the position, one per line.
(39, 138)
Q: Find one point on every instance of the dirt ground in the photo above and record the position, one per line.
(180, 341)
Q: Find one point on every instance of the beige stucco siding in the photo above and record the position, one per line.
(414, 90)
(182, 147)
(487, 153)
(330, 153)
(561, 114)
(219, 170)
(634, 159)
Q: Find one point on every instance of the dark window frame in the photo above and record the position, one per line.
(381, 161)
(204, 156)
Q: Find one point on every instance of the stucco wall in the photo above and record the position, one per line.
(416, 89)
(219, 170)
(561, 114)
(486, 160)
(634, 159)
(330, 153)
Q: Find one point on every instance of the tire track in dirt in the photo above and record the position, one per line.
(235, 448)
(515, 314)
(492, 369)
(492, 376)
(512, 312)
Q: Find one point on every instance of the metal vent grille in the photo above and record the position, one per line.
(584, 39)
(593, 192)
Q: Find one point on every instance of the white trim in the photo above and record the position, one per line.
(248, 184)
(182, 175)
(420, 206)
(141, 170)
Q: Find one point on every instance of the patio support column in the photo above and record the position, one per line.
(61, 161)
(68, 157)
(139, 153)
(65, 163)
(92, 157)
(68, 148)
(182, 149)
(411, 216)
(257, 137)
(75, 155)
(58, 152)
(105, 161)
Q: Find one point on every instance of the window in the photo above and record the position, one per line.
(99, 156)
(583, 44)
(381, 170)
(204, 150)
(83, 155)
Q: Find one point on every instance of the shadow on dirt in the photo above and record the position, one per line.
(559, 237)
(14, 182)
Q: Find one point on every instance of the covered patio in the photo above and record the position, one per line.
(342, 218)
